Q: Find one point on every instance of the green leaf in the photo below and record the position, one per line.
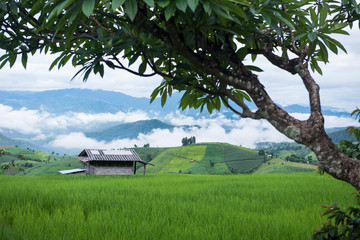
(163, 3)
(297, 37)
(313, 16)
(207, 7)
(284, 20)
(181, 5)
(163, 98)
(323, 51)
(193, 4)
(53, 64)
(88, 6)
(3, 6)
(131, 8)
(170, 10)
(220, 12)
(12, 59)
(170, 90)
(329, 44)
(276, 28)
(266, 18)
(4, 60)
(315, 66)
(155, 93)
(253, 57)
(142, 67)
(254, 68)
(209, 107)
(115, 4)
(24, 59)
(150, 3)
(337, 44)
(323, 14)
(312, 36)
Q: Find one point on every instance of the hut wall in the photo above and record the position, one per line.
(102, 170)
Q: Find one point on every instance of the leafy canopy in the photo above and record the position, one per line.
(184, 41)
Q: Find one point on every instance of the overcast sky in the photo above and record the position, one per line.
(339, 85)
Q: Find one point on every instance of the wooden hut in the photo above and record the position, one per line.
(110, 162)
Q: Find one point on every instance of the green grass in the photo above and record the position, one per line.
(52, 168)
(277, 165)
(167, 206)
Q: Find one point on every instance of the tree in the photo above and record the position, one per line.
(188, 141)
(184, 141)
(200, 48)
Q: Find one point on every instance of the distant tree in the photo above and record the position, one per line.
(184, 141)
(147, 145)
(261, 152)
(187, 141)
(295, 158)
(135, 146)
(200, 48)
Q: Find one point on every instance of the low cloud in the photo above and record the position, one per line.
(217, 128)
(39, 122)
(245, 133)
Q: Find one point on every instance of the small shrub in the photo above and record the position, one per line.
(340, 224)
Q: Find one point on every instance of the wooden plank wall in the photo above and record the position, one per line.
(113, 170)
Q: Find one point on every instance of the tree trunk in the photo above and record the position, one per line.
(336, 163)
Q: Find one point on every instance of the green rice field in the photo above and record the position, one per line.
(167, 206)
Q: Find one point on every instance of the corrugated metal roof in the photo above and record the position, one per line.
(109, 155)
(72, 171)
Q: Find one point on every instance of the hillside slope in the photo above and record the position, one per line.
(207, 158)
(34, 162)
(278, 165)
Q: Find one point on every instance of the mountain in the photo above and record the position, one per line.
(6, 141)
(83, 100)
(129, 130)
(340, 135)
(99, 101)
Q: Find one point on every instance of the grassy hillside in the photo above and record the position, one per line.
(277, 165)
(206, 158)
(35, 163)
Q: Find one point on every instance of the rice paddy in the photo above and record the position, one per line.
(167, 206)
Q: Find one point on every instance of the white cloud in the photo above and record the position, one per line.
(245, 132)
(218, 128)
(38, 122)
(37, 77)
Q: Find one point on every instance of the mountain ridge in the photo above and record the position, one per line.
(131, 130)
(96, 101)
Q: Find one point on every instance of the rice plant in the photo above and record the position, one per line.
(167, 206)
